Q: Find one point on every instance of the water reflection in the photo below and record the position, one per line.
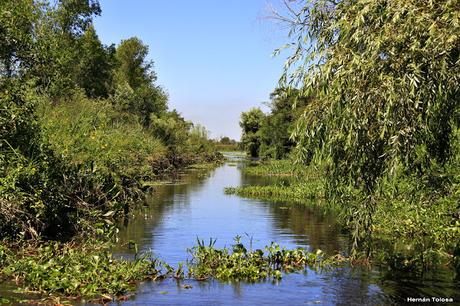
(196, 206)
(176, 214)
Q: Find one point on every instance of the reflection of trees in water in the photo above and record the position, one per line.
(164, 198)
(256, 180)
(353, 284)
(320, 230)
(313, 226)
(309, 225)
(434, 283)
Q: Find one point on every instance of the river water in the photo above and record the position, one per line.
(196, 206)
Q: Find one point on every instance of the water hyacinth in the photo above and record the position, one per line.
(241, 264)
(75, 271)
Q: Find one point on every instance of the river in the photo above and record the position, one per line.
(196, 206)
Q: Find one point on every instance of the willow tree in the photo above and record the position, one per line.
(385, 80)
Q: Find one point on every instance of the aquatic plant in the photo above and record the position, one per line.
(240, 264)
(284, 167)
(72, 270)
(89, 272)
(299, 193)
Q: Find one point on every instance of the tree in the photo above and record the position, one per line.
(57, 50)
(251, 122)
(16, 36)
(172, 129)
(226, 140)
(18, 128)
(133, 66)
(94, 73)
(385, 77)
(31, 176)
(135, 90)
(279, 124)
(73, 17)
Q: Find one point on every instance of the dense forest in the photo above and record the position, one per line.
(368, 109)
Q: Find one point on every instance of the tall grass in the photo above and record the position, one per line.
(91, 133)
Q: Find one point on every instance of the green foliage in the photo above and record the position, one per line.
(16, 28)
(171, 128)
(269, 135)
(422, 226)
(276, 129)
(68, 163)
(250, 123)
(284, 167)
(134, 88)
(186, 142)
(296, 193)
(74, 16)
(94, 71)
(31, 197)
(61, 48)
(133, 68)
(413, 228)
(292, 182)
(95, 137)
(226, 144)
(88, 272)
(385, 79)
(89, 146)
(76, 148)
(241, 264)
(83, 271)
(227, 141)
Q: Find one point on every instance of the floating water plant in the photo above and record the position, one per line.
(239, 263)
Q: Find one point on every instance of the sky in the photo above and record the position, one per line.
(213, 57)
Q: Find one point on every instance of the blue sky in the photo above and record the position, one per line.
(213, 57)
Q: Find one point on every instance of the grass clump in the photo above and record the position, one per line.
(241, 264)
(297, 193)
(302, 183)
(283, 167)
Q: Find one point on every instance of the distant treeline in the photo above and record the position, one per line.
(269, 135)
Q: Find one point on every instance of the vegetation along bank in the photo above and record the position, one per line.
(84, 130)
(366, 120)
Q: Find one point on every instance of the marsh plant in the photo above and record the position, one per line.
(74, 271)
(238, 263)
(89, 272)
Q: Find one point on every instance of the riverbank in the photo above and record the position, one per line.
(72, 169)
(224, 270)
(413, 228)
(83, 269)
